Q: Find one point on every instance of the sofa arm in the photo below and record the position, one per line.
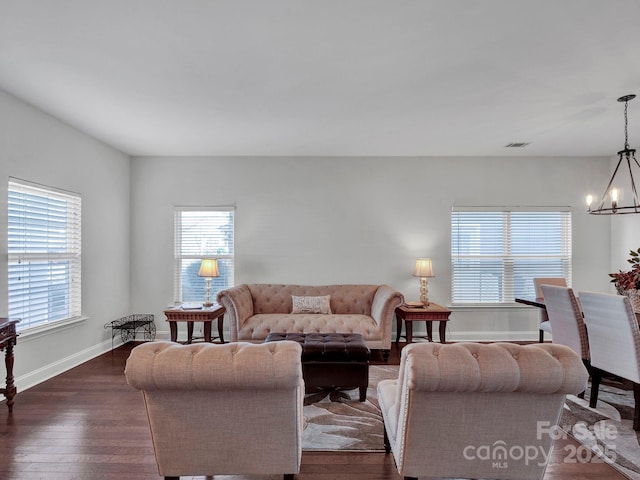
(238, 304)
(385, 301)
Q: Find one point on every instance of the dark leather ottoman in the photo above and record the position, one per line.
(331, 360)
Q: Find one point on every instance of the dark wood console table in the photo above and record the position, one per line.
(8, 338)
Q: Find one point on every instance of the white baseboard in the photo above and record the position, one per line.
(482, 336)
(35, 377)
(522, 336)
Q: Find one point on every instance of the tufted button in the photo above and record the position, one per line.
(475, 355)
(515, 356)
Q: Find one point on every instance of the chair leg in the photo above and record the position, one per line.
(587, 365)
(410, 478)
(171, 478)
(636, 413)
(596, 377)
(541, 336)
(288, 476)
(387, 444)
(385, 354)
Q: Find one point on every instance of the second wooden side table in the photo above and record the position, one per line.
(433, 312)
(206, 315)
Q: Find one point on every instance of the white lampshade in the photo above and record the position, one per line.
(423, 268)
(209, 268)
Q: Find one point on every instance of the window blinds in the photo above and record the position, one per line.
(44, 253)
(202, 232)
(496, 253)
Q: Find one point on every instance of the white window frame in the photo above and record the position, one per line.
(188, 254)
(466, 291)
(44, 230)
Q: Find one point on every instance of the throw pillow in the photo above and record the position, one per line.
(319, 304)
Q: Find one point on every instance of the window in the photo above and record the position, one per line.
(496, 253)
(44, 254)
(202, 232)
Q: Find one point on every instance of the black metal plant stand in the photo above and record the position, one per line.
(129, 325)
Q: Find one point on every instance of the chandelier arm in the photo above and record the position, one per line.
(608, 189)
(633, 183)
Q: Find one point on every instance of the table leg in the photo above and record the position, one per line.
(10, 390)
(398, 327)
(189, 332)
(443, 331)
(220, 326)
(409, 326)
(429, 330)
(173, 326)
(207, 331)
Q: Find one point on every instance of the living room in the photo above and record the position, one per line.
(359, 212)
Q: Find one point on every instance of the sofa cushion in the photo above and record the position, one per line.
(258, 327)
(308, 304)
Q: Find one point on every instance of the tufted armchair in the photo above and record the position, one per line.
(222, 409)
(255, 310)
(467, 410)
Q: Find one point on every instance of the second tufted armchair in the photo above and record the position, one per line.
(468, 410)
(222, 409)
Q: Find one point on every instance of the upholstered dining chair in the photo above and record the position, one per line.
(222, 409)
(457, 410)
(567, 324)
(545, 326)
(614, 342)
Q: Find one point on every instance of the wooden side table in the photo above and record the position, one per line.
(206, 315)
(433, 312)
(8, 339)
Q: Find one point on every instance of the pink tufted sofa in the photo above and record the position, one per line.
(255, 310)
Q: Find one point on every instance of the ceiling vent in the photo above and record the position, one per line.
(517, 144)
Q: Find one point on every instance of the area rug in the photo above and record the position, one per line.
(346, 424)
(605, 432)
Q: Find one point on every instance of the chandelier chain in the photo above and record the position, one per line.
(626, 123)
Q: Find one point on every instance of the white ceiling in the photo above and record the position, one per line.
(330, 77)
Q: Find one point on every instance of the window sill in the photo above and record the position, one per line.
(487, 306)
(41, 330)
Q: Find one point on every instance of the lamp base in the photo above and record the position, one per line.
(207, 304)
(423, 292)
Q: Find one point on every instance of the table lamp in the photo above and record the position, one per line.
(208, 270)
(423, 270)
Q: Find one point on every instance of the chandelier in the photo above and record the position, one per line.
(612, 193)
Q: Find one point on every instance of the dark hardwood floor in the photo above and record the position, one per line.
(89, 424)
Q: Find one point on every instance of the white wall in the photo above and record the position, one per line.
(36, 147)
(360, 220)
(303, 220)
